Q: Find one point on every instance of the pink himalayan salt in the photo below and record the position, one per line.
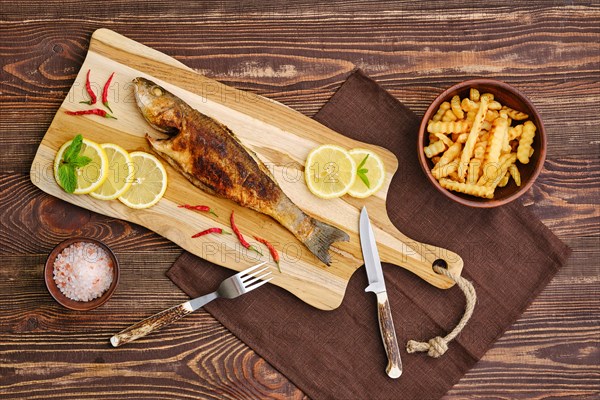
(83, 271)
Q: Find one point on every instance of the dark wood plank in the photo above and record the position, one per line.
(544, 48)
(35, 222)
(550, 352)
(298, 54)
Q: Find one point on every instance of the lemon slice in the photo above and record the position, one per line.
(149, 181)
(375, 174)
(329, 171)
(120, 173)
(91, 176)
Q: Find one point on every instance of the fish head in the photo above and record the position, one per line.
(162, 109)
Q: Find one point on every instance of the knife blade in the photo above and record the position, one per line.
(377, 286)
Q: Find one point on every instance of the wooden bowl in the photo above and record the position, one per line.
(64, 300)
(508, 96)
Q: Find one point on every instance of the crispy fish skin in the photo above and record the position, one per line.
(210, 156)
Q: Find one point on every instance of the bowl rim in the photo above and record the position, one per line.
(476, 202)
(59, 296)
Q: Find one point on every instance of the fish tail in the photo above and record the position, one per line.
(321, 238)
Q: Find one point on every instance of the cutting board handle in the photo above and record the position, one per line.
(419, 257)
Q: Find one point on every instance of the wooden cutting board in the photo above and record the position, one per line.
(280, 136)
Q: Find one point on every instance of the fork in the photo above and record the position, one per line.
(232, 287)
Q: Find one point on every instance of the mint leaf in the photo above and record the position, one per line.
(361, 172)
(67, 178)
(365, 180)
(363, 162)
(73, 150)
(80, 161)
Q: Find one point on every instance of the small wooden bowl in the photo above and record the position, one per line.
(508, 96)
(64, 300)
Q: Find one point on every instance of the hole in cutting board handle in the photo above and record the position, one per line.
(439, 263)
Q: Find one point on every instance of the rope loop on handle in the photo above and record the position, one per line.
(437, 346)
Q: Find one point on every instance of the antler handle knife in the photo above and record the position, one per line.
(377, 286)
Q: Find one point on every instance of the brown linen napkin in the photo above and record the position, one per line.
(509, 255)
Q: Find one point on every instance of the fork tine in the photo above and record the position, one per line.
(256, 279)
(258, 284)
(247, 270)
(254, 273)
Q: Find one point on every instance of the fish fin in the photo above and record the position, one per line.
(157, 147)
(321, 238)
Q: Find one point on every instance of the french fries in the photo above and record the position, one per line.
(442, 169)
(492, 152)
(465, 157)
(434, 148)
(504, 181)
(516, 175)
(445, 170)
(449, 116)
(456, 109)
(514, 132)
(493, 179)
(525, 142)
(443, 107)
(448, 126)
(476, 143)
(445, 139)
(467, 188)
(514, 114)
(474, 170)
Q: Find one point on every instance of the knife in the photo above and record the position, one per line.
(377, 286)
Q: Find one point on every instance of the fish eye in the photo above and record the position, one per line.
(156, 91)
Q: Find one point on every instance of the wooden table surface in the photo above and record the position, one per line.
(298, 54)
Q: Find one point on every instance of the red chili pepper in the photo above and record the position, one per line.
(105, 92)
(88, 87)
(95, 111)
(240, 237)
(211, 230)
(198, 208)
(272, 250)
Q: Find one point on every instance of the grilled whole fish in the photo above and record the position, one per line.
(210, 156)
